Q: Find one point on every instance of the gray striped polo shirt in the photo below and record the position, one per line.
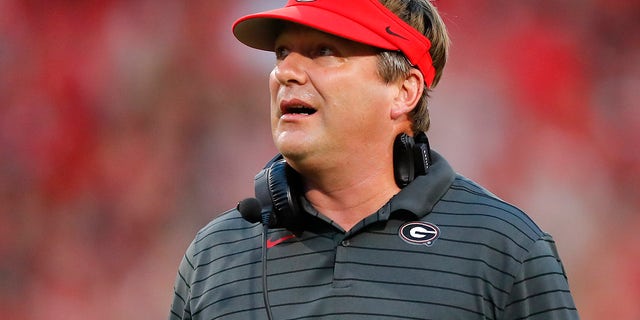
(442, 248)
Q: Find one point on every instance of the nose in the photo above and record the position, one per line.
(291, 69)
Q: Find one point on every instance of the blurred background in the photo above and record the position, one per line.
(126, 125)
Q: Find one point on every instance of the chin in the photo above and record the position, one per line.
(293, 154)
(294, 150)
(292, 142)
(300, 156)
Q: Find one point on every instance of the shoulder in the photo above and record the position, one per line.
(479, 225)
(223, 235)
(227, 222)
(472, 205)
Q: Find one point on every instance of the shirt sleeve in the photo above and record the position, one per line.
(180, 308)
(541, 290)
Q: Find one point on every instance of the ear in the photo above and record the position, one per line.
(409, 93)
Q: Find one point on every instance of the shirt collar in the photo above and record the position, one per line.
(417, 198)
(423, 192)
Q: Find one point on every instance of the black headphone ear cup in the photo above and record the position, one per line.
(421, 154)
(276, 188)
(279, 190)
(283, 181)
(403, 160)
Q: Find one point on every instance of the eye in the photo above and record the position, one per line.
(324, 51)
(281, 52)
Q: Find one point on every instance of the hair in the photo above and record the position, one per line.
(393, 65)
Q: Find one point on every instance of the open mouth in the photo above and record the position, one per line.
(298, 109)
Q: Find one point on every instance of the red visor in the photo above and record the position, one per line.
(365, 21)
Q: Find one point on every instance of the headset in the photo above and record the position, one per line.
(278, 190)
(278, 186)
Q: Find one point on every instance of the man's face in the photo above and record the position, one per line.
(328, 102)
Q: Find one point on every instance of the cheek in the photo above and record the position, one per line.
(273, 85)
(363, 96)
(361, 85)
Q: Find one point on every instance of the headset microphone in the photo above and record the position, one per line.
(251, 210)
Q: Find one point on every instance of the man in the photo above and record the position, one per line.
(360, 220)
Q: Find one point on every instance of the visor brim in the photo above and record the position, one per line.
(260, 30)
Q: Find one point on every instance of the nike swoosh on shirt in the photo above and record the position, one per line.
(273, 243)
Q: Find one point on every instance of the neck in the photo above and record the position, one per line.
(349, 193)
